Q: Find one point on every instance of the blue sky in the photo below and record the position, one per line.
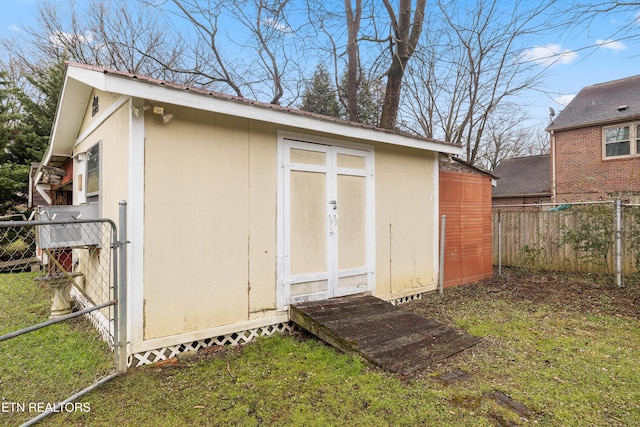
(578, 65)
(587, 55)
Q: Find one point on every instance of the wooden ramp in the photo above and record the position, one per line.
(387, 336)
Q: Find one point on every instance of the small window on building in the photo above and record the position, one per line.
(93, 173)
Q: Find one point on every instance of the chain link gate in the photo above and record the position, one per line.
(61, 321)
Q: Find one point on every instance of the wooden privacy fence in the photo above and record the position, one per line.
(584, 238)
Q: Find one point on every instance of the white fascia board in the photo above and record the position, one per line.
(89, 77)
(56, 145)
(202, 101)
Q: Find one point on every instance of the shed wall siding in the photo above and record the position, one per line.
(263, 180)
(114, 160)
(210, 221)
(105, 100)
(196, 222)
(406, 209)
(113, 136)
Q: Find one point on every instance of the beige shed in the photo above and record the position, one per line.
(236, 209)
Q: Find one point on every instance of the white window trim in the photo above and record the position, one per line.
(94, 194)
(634, 135)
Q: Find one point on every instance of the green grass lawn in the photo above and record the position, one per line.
(568, 350)
(47, 365)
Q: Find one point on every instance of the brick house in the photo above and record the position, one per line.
(523, 181)
(595, 144)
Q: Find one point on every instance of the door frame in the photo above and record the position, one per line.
(282, 285)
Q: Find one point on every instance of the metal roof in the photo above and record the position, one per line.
(81, 79)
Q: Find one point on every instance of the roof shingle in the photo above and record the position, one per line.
(601, 103)
(522, 176)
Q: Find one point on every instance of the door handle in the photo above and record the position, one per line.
(333, 223)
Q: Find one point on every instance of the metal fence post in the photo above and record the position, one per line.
(618, 255)
(499, 242)
(122, 289)
(442, 236)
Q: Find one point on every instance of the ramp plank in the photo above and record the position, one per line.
(387, 336)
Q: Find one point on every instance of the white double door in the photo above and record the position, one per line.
(327, 221)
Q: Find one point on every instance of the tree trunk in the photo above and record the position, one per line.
(391, 101)
(353, 65)
(403, 44)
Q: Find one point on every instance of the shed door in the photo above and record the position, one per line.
(327, 219)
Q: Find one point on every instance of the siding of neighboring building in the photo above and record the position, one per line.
(582, 174)
(517, 202)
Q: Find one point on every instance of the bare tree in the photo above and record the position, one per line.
(213, 67)
(405, 36)
(586, 12)
(252, 45)
(268, 26)
(471, 65)
(337, 27)
(353, 16)
(391, 37)
(506, 138)
(461, 64)
(119, 36)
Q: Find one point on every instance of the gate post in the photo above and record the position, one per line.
(122, 290)
(442, 253)
(618, 255)
(499, 242)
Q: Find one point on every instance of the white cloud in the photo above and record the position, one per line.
(549, 54)
(611, 44)
(277, 26)
(14, 28)
(564, 99)
(61, 39)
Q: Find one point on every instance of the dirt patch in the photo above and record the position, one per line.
(589, 294)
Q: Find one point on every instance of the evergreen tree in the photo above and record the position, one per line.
(12, 177)
(26, 118)
(319, 95)
(38, 113)
(5, 116)
(370, 95)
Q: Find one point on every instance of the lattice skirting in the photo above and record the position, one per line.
(236, 338)
(408, 298)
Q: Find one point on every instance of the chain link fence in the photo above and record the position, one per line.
(590, 239)
(58, 314)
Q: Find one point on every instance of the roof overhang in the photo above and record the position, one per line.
(551, 128)
(70, 111)
(80, 80)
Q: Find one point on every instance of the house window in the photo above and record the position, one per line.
(617, 141)
(93, 173)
